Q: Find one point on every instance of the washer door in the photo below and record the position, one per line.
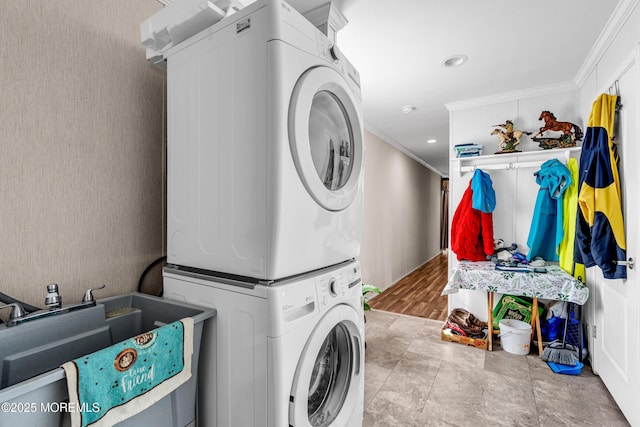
(325, 135)
(327, 382)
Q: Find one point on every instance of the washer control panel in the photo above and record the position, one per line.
(332, 54)
(338, 284)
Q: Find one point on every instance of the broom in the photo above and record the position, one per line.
(561, 352)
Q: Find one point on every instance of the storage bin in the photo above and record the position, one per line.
(130, 315)
(511, 307)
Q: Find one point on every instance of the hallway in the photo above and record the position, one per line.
(418, 293)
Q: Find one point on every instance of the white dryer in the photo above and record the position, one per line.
(265, 147)
(289, 354)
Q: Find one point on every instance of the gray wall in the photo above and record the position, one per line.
(81, 166)
(401, 226)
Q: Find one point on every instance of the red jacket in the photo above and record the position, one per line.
(471, 231)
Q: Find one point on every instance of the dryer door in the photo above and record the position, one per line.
(325, 135)
(328, 384)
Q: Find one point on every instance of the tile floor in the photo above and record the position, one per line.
(415, 379)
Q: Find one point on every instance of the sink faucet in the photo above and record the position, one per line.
(16, 310)
(88, 296)
(53, 301)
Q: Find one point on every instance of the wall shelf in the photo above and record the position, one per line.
(509, 161)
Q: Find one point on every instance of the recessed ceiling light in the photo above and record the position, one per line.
(431, 141)
(408, 109)
(455, 61)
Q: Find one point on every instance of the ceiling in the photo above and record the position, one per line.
(398, 47)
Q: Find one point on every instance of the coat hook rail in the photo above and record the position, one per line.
(614, 89)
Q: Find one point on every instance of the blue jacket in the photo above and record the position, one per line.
(484, 196)
(547, 230)
(600, 236)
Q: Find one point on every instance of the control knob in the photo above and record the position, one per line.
(336, 288)
(335, 53)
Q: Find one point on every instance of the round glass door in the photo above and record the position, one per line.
(328, 383)
(330, 378)
(330, 140)
(325, 137)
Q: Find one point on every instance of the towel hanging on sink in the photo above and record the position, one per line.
(120, 381)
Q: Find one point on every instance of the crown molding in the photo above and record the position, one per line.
(512, 96)
(395, 144)
(611, 29)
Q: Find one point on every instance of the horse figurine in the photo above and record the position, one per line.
(508, 137)
(550, 123)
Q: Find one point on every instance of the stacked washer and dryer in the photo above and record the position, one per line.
(264, 177)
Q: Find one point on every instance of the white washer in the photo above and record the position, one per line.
(265, 147)
(289, 354)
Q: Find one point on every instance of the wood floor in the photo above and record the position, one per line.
(418, 294)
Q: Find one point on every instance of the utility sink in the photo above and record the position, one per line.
(31, 353)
